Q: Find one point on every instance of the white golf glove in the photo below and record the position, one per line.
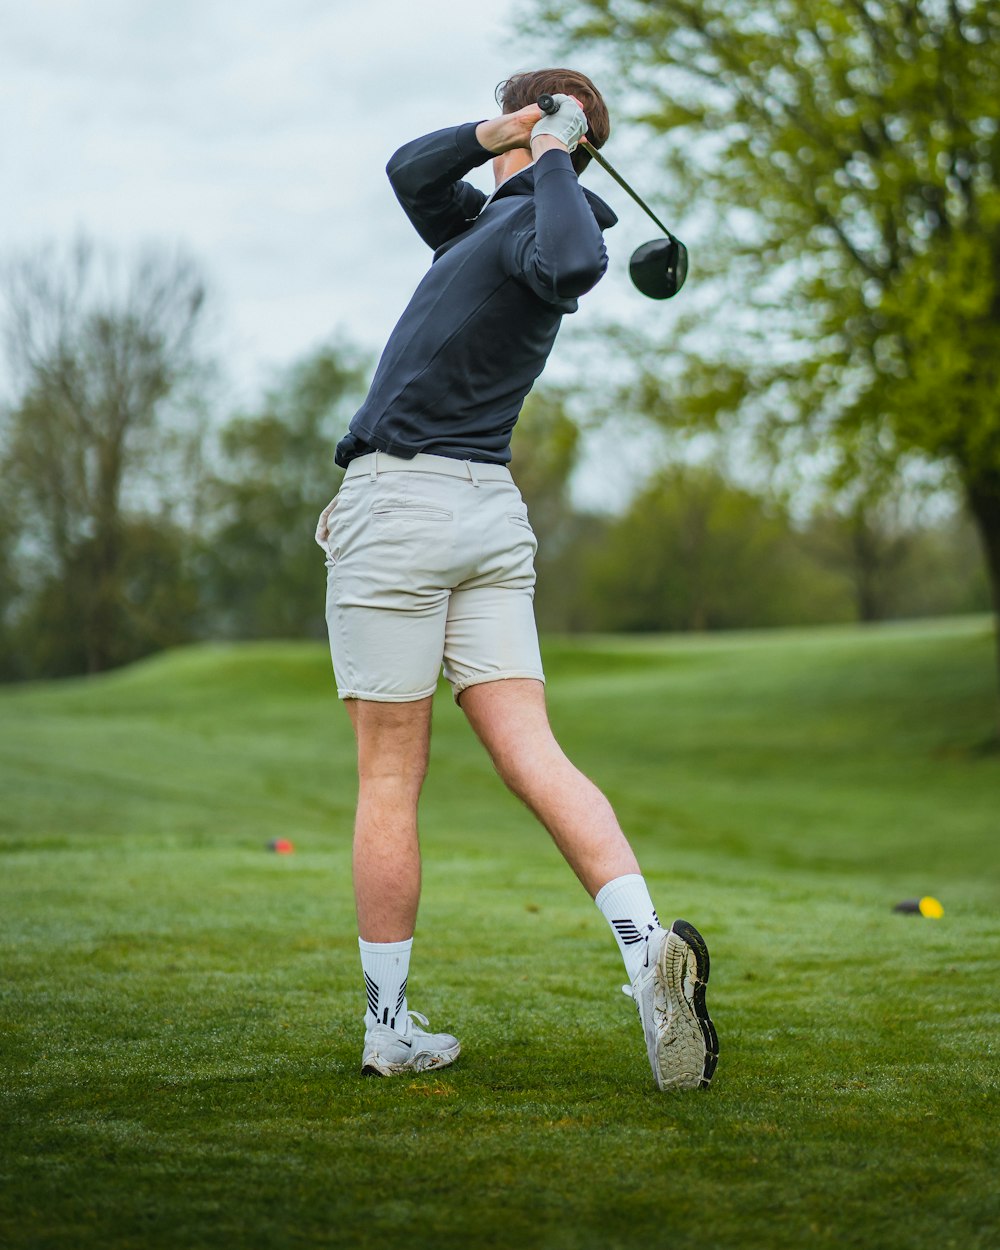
(569, 125)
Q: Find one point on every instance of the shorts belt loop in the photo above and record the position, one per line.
(374, 469)
(472, 473)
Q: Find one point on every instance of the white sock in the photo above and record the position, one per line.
(385, 966)
(626, 906)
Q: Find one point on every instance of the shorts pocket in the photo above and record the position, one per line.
(323, 524)
(413, 540)
(527, 535)
(418, 511)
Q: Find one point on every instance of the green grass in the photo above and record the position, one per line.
(180, 1011)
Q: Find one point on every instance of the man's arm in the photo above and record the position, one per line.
(565, 256)
(509, 130)
(426, 174)
(426, 177)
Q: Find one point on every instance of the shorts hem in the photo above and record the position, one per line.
(481, 679)
(371, 696)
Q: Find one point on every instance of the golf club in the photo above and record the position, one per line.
(657, 268)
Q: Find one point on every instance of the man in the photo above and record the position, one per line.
(430, 558)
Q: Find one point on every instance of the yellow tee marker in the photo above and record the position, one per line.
(925, 906)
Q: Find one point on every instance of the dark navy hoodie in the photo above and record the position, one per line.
(481, 324)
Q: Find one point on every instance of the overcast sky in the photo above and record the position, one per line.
(256, 132)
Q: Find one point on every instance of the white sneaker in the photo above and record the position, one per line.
(669, 992)
(388, 1052)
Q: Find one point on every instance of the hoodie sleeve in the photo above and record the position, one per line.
(565, 255)
(426, 177)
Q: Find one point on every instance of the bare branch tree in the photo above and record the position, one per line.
(104, 362)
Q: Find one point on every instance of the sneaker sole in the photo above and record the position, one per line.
(693, 1045)
(375, 1065)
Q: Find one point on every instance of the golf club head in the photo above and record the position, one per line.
(658, 268)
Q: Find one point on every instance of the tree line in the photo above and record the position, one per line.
(133, 517)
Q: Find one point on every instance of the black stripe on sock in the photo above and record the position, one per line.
(627, 932)
(372, 991)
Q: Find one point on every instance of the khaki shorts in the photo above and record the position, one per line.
(430, 562)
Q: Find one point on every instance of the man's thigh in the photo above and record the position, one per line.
(509, 717)
(393, 738)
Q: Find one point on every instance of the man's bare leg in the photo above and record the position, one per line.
(667, 969)
(393, 750)
(511, 721)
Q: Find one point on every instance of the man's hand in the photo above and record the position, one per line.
(567, 125)
(510, 130)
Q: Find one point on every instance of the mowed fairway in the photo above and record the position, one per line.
(181, 1010)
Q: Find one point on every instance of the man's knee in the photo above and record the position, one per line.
(392, 773)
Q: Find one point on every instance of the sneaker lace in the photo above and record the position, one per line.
(419, 1017)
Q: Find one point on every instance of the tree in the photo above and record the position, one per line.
(900, 567)
(10, 585)
(104, 365)
(695, 552)
(261, 571)
(849, 152)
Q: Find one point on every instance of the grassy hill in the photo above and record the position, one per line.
(180, 1011)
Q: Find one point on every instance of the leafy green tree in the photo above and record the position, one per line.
(157, 603)
(104, 413)
(844, 156)
(899, 566)
(261, 571)
(694, 552)
(868, 543)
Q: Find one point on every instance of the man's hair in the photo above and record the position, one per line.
(520, 90)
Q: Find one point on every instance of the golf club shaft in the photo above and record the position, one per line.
(622, 183)
(548, 105)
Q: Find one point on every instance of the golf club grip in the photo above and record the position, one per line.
(547, 104)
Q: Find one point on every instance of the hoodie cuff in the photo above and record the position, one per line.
(554, 158)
